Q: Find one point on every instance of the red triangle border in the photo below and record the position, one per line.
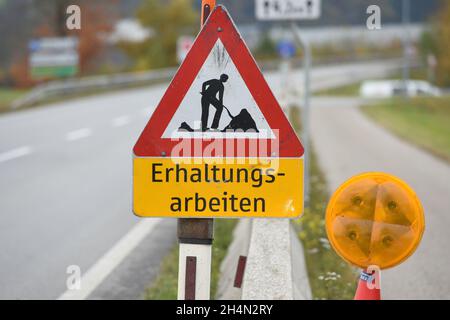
(218, 26)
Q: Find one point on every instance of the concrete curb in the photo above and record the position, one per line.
(275, 268)
(239, 246)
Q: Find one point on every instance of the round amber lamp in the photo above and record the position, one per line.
(374, 219)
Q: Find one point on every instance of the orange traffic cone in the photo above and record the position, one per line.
(368, 287)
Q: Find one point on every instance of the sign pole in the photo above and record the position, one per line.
(306, 104)
(406, 44)
(195, 237)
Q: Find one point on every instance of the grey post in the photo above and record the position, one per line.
(406, 8)
(306, 105)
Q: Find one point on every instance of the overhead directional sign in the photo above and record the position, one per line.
(288, 9)
(218, 144)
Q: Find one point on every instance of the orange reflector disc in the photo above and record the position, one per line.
(374, 219)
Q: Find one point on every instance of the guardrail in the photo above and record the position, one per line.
(62, 88)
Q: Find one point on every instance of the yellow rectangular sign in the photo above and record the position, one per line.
(270, 188)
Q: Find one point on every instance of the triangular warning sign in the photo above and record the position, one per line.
(218, 93)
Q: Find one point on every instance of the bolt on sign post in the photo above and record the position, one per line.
(374, 220)
(218, 145)
(293, 10)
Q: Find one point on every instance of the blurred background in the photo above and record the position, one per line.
(73, 102)
(130, 35)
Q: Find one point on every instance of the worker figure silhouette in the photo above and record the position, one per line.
(210, 90)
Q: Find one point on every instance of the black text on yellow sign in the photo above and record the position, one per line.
(246, 188)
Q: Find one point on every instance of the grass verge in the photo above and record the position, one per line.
(330, 277)
(72, 96)
(7, 96)
(424, 121)
(342, 91)
(353, 89)
(165, 285)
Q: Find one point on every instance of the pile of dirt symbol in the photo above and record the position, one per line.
(243, 122)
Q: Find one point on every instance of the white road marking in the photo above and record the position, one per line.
(108, 262)
(121, 121)
(15, 153)
(78, 134)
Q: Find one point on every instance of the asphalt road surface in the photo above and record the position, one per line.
(65, 191)
(348, 143)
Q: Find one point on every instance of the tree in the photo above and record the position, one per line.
(167, 21)
(47, 18)
(97, 20)
(442, 37)
(266, 47)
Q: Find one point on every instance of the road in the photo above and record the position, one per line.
(65, 191)
(348, 143)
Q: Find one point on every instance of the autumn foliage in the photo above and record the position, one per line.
(97, 20)
(166, 20)
(442, 45)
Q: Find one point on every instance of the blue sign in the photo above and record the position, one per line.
(34, 45)
(286, 49)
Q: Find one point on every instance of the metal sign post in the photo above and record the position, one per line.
(195, 237)
(291, 10)
(54, 57)
(406, 5)
(306, 104)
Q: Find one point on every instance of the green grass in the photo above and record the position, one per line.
(329, 276)
(353, 89)
(7, 96)
(347, 90)
(165, 285)
(423, 121)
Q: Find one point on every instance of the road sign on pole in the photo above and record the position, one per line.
(295, 10)
(218, 144)
(287, 9)
(53, 57)
(307, 63)
(286, 49)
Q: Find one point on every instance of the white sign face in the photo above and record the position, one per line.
(225, 96)
(287, 9)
